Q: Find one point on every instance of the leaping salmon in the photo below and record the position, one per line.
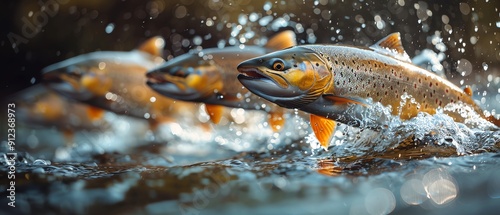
(209, 76)
(339, 83)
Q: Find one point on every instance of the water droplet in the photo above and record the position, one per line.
(485, 66)
(265, 20)
(197, 40)
(464, 8)
(102, 65)
(180, 12)
(464, 67)
(413, 192)
(109, 28)
(267, 6)
(253, 17)
(41, 162)
(380, 201)
(242, 19)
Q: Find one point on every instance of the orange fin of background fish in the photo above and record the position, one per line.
(153, 46)
(153, 124)
(276, 120)
(323, 129)
(392, 46)
(68, 137)
(94, 113)
(214, 112)
(282, 40)
(468, 90)
(156, 122)
(343, 100)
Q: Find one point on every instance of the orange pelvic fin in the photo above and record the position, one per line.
(276, 120)
(282, 40)
(94, 113)
(323, 129)
(153, 46)
(214, 112)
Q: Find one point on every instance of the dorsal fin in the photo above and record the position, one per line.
(392, 46)
(153, 46)
(282, 40)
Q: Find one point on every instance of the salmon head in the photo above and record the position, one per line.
(79, 78)
(290, 78)
(188, 77)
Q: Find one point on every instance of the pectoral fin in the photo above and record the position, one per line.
(94, 113)
(323, 129)
(276, 120)
(214, 112)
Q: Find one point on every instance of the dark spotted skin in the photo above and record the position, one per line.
(362, 74)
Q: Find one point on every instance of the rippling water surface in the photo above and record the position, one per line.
(428, 164)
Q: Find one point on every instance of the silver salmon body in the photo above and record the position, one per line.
(337, 83)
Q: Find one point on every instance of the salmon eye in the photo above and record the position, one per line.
(278, 65)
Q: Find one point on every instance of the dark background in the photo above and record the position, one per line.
(78, 26)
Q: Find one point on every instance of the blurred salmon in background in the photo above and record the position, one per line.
(209, 76)
(38, 106)
(116, 81)
(46, 121)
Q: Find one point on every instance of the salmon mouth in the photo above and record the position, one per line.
(250, 73)
(155, 78)
(172, 85)
(66, 84)
(264, 86)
